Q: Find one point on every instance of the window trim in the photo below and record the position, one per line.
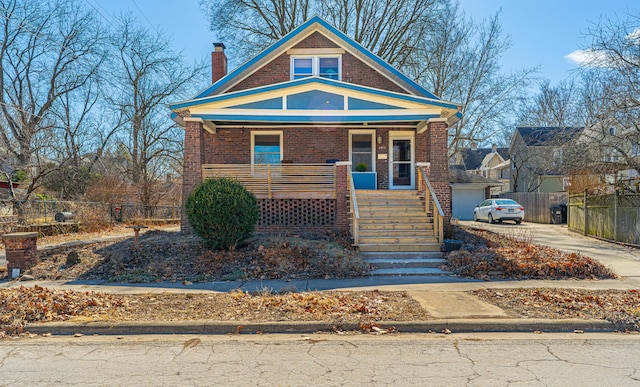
(266, 133)
(315, 64)
(372, 132)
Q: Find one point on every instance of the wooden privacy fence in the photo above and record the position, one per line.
(614, 217)
(537, 205)
(284, 181)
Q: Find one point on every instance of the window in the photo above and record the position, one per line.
(322, 66)
(266, 147)
(362, 149)
(612, 131)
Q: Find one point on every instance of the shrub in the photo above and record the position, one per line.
(222, 212)
(362, 167)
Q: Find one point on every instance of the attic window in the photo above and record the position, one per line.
(320, 66)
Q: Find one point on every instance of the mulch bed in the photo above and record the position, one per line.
(170, 256)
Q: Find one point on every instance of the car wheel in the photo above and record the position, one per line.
(475, 217)
(518, 221)
(490, 219)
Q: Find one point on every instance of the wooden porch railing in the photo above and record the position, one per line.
(353, 207)
(282, 181)
(430, 199)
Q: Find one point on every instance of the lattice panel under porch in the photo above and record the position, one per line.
(297, 213)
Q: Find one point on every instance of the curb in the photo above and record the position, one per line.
(238, 327)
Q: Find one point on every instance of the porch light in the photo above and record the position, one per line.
(379, 139)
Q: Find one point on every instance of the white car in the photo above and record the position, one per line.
(497, 210)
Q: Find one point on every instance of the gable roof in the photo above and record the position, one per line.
(472, 159)
(458, 176)
(548, 136)
(315, 99)
(315, 24)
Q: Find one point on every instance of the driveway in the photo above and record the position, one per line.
(623, 260)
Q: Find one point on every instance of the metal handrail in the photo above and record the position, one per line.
(353, 204)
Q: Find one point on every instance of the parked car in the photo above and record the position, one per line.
(497, 210)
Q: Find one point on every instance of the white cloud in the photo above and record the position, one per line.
(634, 36)
(592, 58)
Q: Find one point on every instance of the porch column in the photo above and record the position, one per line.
(342, 195)
(438, 172)
(192, 166)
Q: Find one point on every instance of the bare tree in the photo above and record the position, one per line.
(391, 29)
(458, 61)
(252, 25)
(611, 64)
(148, 75)
(553, 106)
(47, 51)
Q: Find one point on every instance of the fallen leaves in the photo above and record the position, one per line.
(22, 305)
(616, 306)
(487, 255)
(174, 257)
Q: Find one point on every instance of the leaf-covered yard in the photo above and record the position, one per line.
(487, 255)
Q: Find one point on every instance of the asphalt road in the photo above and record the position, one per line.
(325, 359)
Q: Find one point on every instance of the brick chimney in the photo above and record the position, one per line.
(218, 62)
(474, 145)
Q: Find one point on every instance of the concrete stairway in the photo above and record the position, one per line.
(394, 221)
(406, 263)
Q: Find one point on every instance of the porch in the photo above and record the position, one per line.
(321, 197)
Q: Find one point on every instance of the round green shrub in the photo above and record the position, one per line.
(362, 167)
(222, 212)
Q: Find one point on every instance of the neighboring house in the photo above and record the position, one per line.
(611, 156)
(538, 158)
(492, 163)
(293, 123)
(468, 190)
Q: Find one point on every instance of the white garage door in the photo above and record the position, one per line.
(463, 202)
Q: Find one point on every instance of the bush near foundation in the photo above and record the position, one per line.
(222, 212)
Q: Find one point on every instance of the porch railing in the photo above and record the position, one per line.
(430, 200)
(282, 181)
(353, 207)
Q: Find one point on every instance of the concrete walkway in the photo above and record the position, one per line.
(445, 298)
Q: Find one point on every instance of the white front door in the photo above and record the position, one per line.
(401, 160)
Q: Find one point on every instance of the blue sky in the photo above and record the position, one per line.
(543, 32)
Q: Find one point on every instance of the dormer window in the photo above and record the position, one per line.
(320, 66)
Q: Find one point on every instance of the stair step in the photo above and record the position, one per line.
(382, 263)
(410, 271)
(393, 247)
(385, 240)
(400, 227)
(393, 220)
(403, 255)
(395, 233)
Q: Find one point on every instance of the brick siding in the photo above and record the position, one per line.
(353, 69)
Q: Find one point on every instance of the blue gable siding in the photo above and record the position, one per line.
(273, 103)
(361, 104)
(315, 100)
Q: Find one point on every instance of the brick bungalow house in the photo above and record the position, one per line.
(327, 136)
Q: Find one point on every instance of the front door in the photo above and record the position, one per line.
(401, 160)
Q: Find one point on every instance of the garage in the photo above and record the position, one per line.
(467, 190)
(464, 200)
